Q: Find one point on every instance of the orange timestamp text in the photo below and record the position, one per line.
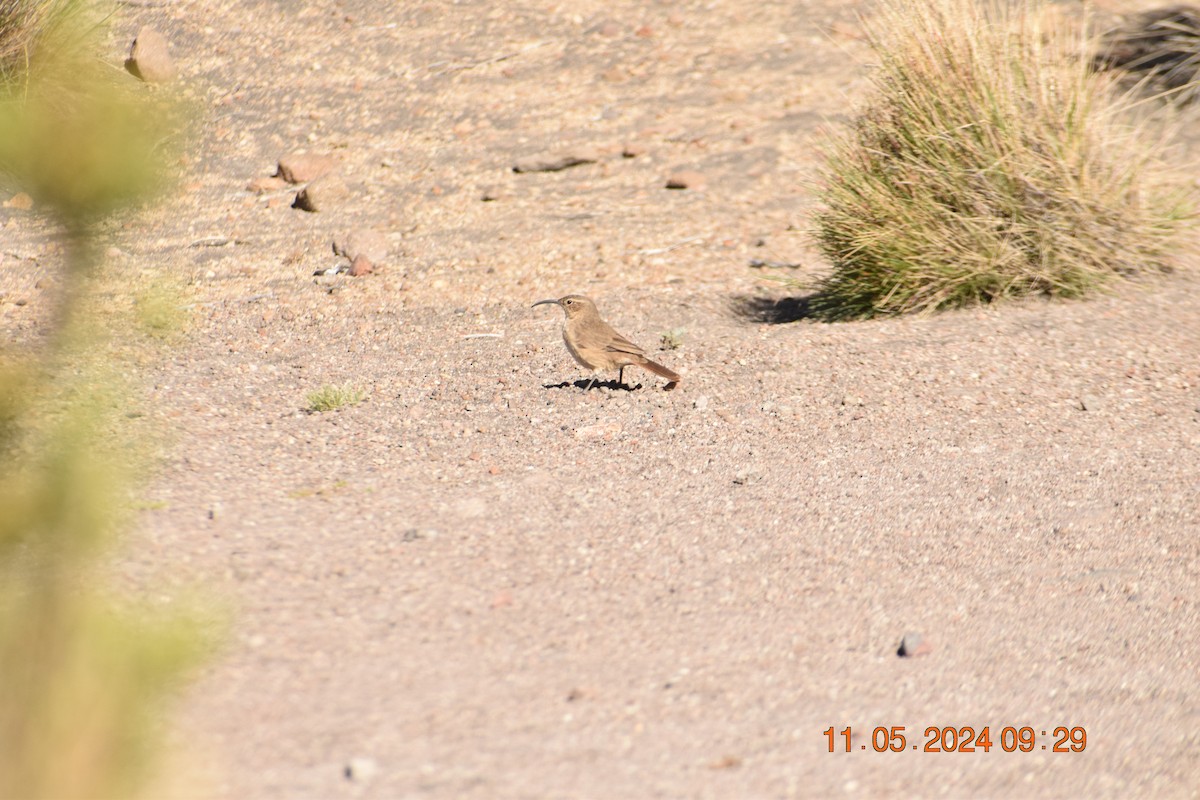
(961, 739)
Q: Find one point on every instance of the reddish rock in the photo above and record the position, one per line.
(362, 242)
(149, 58)
(361, 266)
(687, 179)
(305, 167)
(19, 201)
(322, 194)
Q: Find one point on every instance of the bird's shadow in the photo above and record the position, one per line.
(583, 384)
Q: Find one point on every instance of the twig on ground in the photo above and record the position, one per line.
(493, 60)
(654, 251)
(248, 299)
(216, 241)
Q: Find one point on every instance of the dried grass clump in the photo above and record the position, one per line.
(990, 162)
(24, 26)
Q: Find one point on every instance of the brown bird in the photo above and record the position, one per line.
(596, 346)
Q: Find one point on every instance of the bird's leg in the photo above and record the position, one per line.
(620, 377)
(591, 383)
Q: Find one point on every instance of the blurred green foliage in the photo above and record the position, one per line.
(84, 673)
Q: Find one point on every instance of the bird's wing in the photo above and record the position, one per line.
(619, 344)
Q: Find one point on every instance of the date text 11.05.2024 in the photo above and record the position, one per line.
(961, 739)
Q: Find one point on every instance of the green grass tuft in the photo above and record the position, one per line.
(330, 398)
(989, 162)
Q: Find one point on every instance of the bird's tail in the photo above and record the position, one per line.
(659, 369)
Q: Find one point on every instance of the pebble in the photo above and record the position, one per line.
(601, 430)
(361, 769)
(20, 201)
(912, 645)
(633, 150)
(701, 403)
(687, 179)
(553, 163)
(852, 400)
(361, 265)
(1089, 402)
(148, 57)
(746, 475)
(362, 242)
(322, 194)
(303, 167)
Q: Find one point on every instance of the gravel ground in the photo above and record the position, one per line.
(484, 582)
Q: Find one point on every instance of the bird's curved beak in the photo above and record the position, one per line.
(543, 302)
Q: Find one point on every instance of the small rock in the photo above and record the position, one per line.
(852, 400)
(745, 476)
(362, 242)
(912, 645)
(609, 29)
(687, 179)
(361, 265)
(1089, 402)
(633, 150)
(322, 194)
(601, 430)
(701, 403)
(263, 185)
(148, 57)
(554, 163)
(491, 194)
(361, 770)
(19, 201)
(614, 75)
(304, 167)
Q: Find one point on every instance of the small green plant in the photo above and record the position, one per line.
(330, 398)
(989, 162)
(159, 312)
(672, 339)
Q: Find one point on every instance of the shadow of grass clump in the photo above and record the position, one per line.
(989, 162)
(1158, 50)
(771, 310)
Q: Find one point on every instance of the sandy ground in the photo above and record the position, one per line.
(484, 582)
